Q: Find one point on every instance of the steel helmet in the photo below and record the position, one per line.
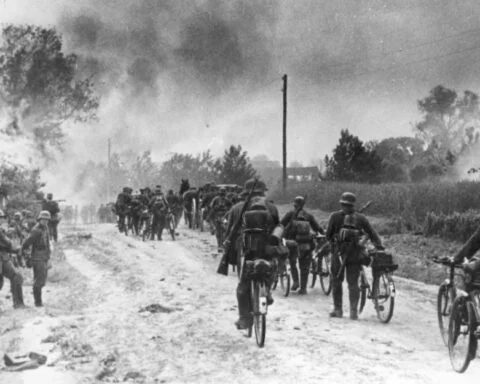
(44, 215)
(348, 198)
(299, 200)
(260, 186)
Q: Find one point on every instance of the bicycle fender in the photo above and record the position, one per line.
(392, 289)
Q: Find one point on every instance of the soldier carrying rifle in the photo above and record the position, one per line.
(344, 230)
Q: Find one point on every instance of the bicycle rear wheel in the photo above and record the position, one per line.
(462, 343)
(384, 297)
(364, 287)
(445, 299)
(325, 272)
(259, 312)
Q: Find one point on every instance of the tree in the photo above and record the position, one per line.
(199, 169)
(352, 161)
(450, 123)
(235, 167)
(40, 85)
(20, 185)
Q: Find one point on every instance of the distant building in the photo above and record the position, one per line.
(273, 176)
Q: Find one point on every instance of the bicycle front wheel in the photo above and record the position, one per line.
(384, 297)
(445, 299)
(462, 343)
(326, 274)
(363, 283)
(259, 313)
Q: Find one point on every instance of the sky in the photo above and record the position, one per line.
(187, 76)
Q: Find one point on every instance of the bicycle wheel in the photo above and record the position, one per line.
(445, 299)
(462, 344)
(259, 313)
(325, 273)
(384, 298)
(364, 288)
(313, 272)
(285, 279)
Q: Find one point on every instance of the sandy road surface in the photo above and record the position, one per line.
(93, 324)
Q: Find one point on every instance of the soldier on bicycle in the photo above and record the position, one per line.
(268, 217)
(344, 230)
(468, 252)
(298, 225)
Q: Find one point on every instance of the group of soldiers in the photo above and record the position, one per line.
(25, 242)
(146, 208)
(291, 235)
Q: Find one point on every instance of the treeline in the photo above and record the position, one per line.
(129, 169)
(446, 136)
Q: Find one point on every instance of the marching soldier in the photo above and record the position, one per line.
(344, 230)
(7, 268)
(219, 206)
(298, 224)
(39, 241)
(51, 206)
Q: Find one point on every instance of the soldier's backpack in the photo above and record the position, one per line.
(302, 229)
(158, 204)
(349, 232)
(256, 222)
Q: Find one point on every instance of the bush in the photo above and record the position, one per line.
(457, 226)
(410, 202)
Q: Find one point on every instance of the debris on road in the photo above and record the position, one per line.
(156, 308)
(23, 362)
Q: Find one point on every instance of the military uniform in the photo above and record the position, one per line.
(158, 207)
(122, 207)
(52, 207)
(8, 270)
(219, 206)
(40, 256)
(243, 287)
(301, 249)
(353, 259)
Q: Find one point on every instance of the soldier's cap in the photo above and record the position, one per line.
(348, 198)
(49, 195)
(44, 215)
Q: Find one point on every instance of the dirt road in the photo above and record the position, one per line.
(92, 326)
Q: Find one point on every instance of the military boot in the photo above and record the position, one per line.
(303, 282)
(294, 278)
(17, 296)
(37, 295)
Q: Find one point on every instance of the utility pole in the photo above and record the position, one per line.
(284, 90)
(109, 171)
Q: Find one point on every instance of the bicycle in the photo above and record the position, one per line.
(321, 265)
(147, 228)
(260, 271)
(281, 272)
(447, 293)
(382, 292)
(464, 323)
